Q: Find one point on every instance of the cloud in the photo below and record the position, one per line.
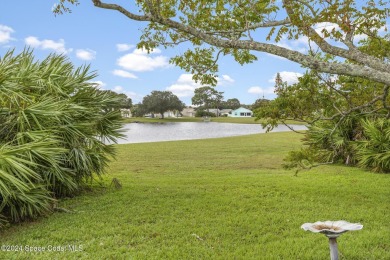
(134, 96)
(261, 91)
(224, 80)
(320, 28)
(124, 47)
(85, 54)
(130, 94)
(58, 46)
(301, 45)
(98, 84)
(184, 86)
(118, 89)
(287, 76)
(139, 60)
(124, 74)
(5, 33)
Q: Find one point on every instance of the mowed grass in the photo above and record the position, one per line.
(225, 198)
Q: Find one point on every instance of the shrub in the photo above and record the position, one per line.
(54, 126)
(202, 113)
(373, 151)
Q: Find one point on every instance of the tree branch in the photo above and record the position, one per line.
(352, 54)
(376, 71)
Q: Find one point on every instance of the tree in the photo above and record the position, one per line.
(121, 100)
(54, 132)
(238, 28)
(232, 103)
(207, 97)
(327, 97)
(161, 102)
(125, 102)
(347, 119)
(261, 102)
(138, 110)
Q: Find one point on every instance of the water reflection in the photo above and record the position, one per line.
(142, 133)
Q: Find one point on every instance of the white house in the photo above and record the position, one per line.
(225, 112)
(188, 112)
(241, 112)
(125, 112)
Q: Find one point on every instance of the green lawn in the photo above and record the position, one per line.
(224, 198)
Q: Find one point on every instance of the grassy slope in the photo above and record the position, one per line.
(222, 198)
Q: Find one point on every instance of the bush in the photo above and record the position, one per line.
(362, 142)
(373, 151)
(54, 126)
(202, 113)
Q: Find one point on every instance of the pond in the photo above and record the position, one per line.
(157, 132)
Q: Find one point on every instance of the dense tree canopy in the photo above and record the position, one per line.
(121, 102)
(232, 103)
(207, 97)
(226, 27)
(161, 102)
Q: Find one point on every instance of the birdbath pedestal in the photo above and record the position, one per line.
(332, 229)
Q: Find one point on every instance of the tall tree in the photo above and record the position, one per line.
(232, 103)
(207, 97)
(120, 101)
(225, 27)
(161, 102)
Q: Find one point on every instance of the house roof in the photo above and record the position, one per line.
(226, 110)
(242, 109)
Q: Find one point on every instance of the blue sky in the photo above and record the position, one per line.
(106, 40)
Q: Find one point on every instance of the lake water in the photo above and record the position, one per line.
(156, 132)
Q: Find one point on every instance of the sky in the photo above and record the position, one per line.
(106, 40)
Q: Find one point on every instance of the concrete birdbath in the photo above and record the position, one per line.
(332, 229)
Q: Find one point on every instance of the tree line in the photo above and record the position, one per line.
(205, 98)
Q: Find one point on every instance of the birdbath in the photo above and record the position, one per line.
(332, 229)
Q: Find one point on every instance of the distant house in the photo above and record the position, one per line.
(170, 114)
(225, 112)
(215, 111)
(188, 112)
(241, 112)
(126, 112)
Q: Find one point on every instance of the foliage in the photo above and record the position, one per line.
(243, 28)
(207, 97)
(335, 109)
(232, 103)
(333, 113)
(161, 102)
(122, 100)
(204, 113)
(373, 150)
(54, 126)
(224, 198)
(138, 110)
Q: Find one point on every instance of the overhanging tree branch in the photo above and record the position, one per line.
(369, 67)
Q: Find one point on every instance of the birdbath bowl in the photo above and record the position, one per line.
(332, 229)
